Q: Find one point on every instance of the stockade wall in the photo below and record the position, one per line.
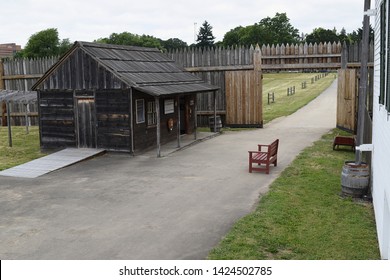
(212, 64)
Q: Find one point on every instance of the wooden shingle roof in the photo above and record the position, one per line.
(145, 69)
(18, 96)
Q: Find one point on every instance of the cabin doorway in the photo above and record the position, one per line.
(86, 123)
(186, 114)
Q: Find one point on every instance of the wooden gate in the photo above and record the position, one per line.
(346, 99)
(86, 123)
(244, 98)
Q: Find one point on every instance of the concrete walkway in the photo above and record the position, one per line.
(175, 207)
(49, 163)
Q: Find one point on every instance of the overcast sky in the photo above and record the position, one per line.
(87, 20)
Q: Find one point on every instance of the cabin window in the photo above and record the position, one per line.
(151, 113)
(140, 111)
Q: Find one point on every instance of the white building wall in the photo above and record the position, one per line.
(381, 153)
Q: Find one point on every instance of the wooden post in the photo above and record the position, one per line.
(344, 56)
(195, 118)
(215, 111)
(9, 123)
(131, 122)
(1, 75)
(4, 113)
(26, 117)
(363, 81)
(178, 122)
(157, 101)
(257, 61)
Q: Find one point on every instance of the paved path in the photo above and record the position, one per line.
(175, 207)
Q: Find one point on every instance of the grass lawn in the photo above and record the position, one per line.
(285, 105)
(303, 215)
(25, 147)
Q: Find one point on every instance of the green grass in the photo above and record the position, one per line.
(303, 215)
(25, 147)
(285, 105)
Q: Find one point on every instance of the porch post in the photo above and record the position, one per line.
(26, 117)
(9, 123)
(178, 121)
(131, 123)
(157, 101)
(195, 118)
(215, 111)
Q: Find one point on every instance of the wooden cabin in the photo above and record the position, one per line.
(119, 98)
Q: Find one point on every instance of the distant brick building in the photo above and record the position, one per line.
(8, 50)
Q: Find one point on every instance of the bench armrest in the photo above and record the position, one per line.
(261, 146)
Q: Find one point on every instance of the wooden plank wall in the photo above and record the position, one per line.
(21, 74)
(346, 99)
(57, 127)
(243, 99)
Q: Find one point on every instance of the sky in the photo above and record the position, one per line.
(88, 20)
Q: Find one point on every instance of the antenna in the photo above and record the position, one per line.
(195, 37)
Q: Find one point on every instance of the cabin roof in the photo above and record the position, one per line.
(18, 96)
(145, 69)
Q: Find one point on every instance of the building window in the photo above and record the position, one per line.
(383, 53)
(384, 94)
(140, 111)
(151, 113)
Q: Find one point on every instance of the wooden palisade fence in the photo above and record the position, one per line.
(234, 69)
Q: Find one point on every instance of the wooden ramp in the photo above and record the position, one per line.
(55, 161)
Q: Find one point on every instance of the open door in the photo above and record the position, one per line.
(186, 115)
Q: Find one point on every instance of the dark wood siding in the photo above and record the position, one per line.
(146, 136)
(57, 125)
(81, 71)
(113, 120)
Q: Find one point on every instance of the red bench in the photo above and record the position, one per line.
(344, 141)
(266, 155)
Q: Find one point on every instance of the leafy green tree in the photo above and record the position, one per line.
(205, 35)
(234, 36)
(321, 35)
(45, 43)
(276, 30)
(173, 43)
(127, 38)
(356, 36)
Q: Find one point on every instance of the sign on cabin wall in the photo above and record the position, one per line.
(169, 106)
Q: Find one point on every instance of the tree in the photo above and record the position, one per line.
(205, 36)
(45, 43)
(276, 30)
(173, 43)
(129, 39)
(321, 35)
(356, 36)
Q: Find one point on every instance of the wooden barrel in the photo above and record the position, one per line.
(355, 179)
(218, 123)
